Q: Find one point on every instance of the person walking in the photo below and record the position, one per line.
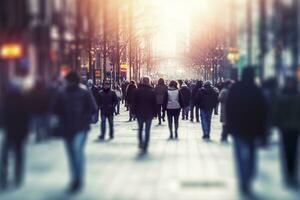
(186, 98)
(129, 98)
(207, 99)
(287, 119)
(74, 107)
(119, 94)
(107, 102)
(16, 124)
(144, 108)
(222, 99)
(160, 91)
(173, 104)
(194, 106)
(246, 115)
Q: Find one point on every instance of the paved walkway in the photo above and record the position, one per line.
(189, 168)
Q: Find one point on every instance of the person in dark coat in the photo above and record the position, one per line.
(287, 119)
(124, 87)
(129, 98)
(223, 99)
(194, 105)
(16, 125)
(207, 99)
(173, 104)
(186, 98)
(107, 102)
(75, 106)
(94, 90)
(144, 108)
(246, 118)
(160, 91)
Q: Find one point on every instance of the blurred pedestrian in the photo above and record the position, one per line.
(222, 99)
(107, 103)
(94, 90)
(160, 91)
(144, 108)
(119, 94)
(194, 106)
(16, 125)
(173, 104)
(75, 107)
(246, 118)
(287, 119)
(124, 86)
(207, 99)
(129, 98)
(186, 98)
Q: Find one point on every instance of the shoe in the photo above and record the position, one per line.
(224, 140)
(163, 119)
(75, 187)
(171, 137)
(101, 137)
(111, 137)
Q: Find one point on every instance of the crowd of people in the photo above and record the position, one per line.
(248, 113)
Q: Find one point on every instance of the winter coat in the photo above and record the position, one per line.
(207, 98)
(107, 102)
(144, 102)
(74, 106)
(130, 93)
(172, 99)
(160, 91)
(186, 96)
(222, 99)
(246, 110)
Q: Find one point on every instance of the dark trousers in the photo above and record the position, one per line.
(245, 157)
(17, 148)
(225, 132)
(75, 151)
(144, 138)
(173, 115)
(110, 118)
(185, 112)
(160, 113)
(196, 109)
(131, 116)
(118, 107)
(290, 155)
(206, 121)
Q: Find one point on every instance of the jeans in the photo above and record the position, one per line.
(173, 114)
(290, 141)
(245, 156)
(144, 139)
(185, 112)
(161, 113)
(103, 125)
(75, 150)
(224, 134)
(206, 121)
(118, 107)
(17, 148)
(197, 109)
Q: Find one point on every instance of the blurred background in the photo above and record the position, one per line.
(116, 40)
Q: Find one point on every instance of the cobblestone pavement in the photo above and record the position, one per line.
(189, 168)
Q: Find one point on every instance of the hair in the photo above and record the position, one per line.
(161, 81)
(146, 80)
(173, 84)
(73, 78)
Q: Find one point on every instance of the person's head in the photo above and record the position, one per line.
(199, 84)
(207, 84)
(106, 85)
(161, 81)
(72, 79)
(132, 82)
(173, 84)
(145, 80)
(184, 85)
(248, 75)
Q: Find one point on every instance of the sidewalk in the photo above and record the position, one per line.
(189, 168)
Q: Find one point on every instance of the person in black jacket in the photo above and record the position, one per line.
(144, 108)
(16, 125)
(129, 98)
(207, 99)
(75, 106)
(246, 119)
(194, 105)
(107, 102)
(186, 98)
